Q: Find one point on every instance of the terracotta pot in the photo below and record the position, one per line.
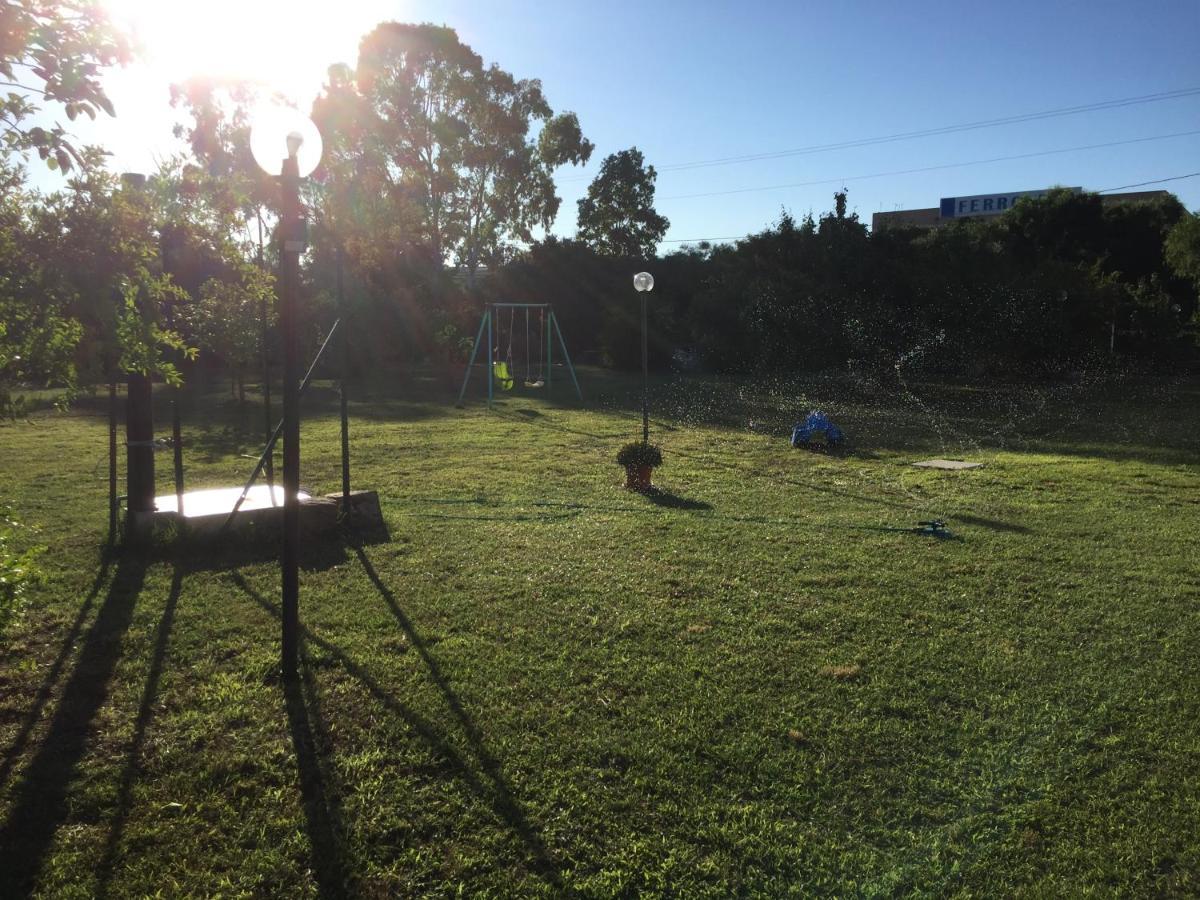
(637, 478)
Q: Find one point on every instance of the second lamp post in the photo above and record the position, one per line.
(274, 130)
(644, 283)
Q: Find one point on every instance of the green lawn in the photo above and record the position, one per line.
(756, 682)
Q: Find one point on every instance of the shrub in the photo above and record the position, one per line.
(18, 571)
(635, 453)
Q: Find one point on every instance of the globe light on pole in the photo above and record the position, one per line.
(643, 283)
(279, 130)
(276, 131)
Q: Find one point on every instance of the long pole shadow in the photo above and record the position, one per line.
(129, 775)
(505, 800)
(42, 697)
(40, 800)
(494, 791)
(319, 793)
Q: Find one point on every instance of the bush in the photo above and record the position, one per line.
(635, 453)
(17, 572)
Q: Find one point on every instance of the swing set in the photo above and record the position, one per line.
(500, 353)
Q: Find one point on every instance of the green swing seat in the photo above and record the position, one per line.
(503, 376)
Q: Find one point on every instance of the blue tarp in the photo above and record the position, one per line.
(816, 429)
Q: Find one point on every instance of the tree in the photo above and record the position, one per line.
(225, 319)
(1182, 252)
(1182, 248)
(53, 52)
(81, 283)
(450, 141)
(617, 216)
(38, 334)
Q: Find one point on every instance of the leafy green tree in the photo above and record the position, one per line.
(38, 334)
(102, 237)
(222, 180)
(450, 142)
(617, 216)
(1182, 247)
(1182, 252)
(52, 51)
(225, 319)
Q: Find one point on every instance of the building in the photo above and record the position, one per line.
(977, 205)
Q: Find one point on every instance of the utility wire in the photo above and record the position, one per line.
(1144, 183)
(958, 165)
(738, 237)
(930, 132)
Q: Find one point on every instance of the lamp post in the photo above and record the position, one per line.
(643, 282)
(289, 271)
(299, 134)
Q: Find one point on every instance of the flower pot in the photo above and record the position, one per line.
(637, 478)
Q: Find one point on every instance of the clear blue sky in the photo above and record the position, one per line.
(693, 81)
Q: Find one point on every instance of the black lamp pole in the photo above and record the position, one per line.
(341, 302)
(645, 378)
(290, 227)
(268, 424)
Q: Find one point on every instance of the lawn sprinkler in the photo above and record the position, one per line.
(933, 528)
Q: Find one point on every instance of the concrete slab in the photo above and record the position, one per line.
(205, 512)
(219, 501)
(952, 464)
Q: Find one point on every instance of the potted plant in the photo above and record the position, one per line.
(640, 460)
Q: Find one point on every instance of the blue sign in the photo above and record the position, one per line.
(986, 204)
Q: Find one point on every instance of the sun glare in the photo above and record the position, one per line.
(286, 47)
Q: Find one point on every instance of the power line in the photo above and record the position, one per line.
(738, 237)
(931, 132)
(1144, 183)
(958, 165)
(948, 129)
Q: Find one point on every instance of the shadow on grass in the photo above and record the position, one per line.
(542, 421)
(42, 697)
(490, 787)
(319, 791)
(219, 553)
(667, 500)
(501, 796)
(145, 712)
(40, 799)
(993, 524)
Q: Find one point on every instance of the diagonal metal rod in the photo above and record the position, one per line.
(266, 454)
(470, 365)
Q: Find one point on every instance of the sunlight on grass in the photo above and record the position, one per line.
(544, 684)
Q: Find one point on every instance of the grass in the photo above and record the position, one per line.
(757, 681)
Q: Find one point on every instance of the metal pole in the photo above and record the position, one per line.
(139, 442)
(645, 379)
(491, 360)
(271, 441)
(341, 300)
(267, 427)
(566, 356)
(266, 365)
(474, 350)
(177, 447)
(549, 354)
(112, 462)
(289, 276)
